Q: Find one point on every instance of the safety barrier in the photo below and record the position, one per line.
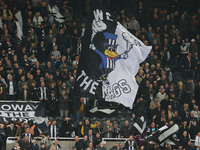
(67, 143)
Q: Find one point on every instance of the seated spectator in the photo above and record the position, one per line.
(45, 141)
(121, 146)
(130, 143)
(43, 147)
(78, 143)
(57, 145)
(16, 147)
(101, 147)
(34, 145)
(85, 142)
(28, 134)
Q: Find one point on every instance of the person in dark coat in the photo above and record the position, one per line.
(34, 145)
(52, 104)
(78, 129)
(85, 142)
(11, 130)
(66, 128)
(125, 130)
(184, 139)
(185, 113)
(97, 140)
(78, 143)
(33, 92)
(64, 104)
(156, 114)
(24, 94)
(194, 129)
(2, 134)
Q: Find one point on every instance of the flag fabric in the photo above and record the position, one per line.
(19, 24)
(140, 125)
(109, 60)
(40, 119)
(164, 135)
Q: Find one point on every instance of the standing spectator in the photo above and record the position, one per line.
(195, 66)
(174, 53)
(79, 109)
(56, 53)
(184, 51)
(108, 130)
(53, 130)
(197, 141)
(52, 104)
(190, 89)
(97, 140)
(125, 130)
(37, 19)
(187, 66)
(185, 112)
(153, 104)
(28, 134)
(64, 104)
(184, 139)
(194, 23)
(66, 128)
(2, 135)
(194, 129)
(161, 95)
(140, 14)
(193, 47)
(12, 88)
(11, 130)
(33, 92)
(86, 127)
(156, 113)
(98, 128)
(24, 94)
(43, 94)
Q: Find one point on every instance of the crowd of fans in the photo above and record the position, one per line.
(42, 65)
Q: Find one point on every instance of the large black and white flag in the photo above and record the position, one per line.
(109, 60)
(164, 135)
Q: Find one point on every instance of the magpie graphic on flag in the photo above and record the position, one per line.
(40, 120)
(109, 60)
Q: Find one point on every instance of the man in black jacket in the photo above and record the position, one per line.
(125, 130)
(66, 128)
